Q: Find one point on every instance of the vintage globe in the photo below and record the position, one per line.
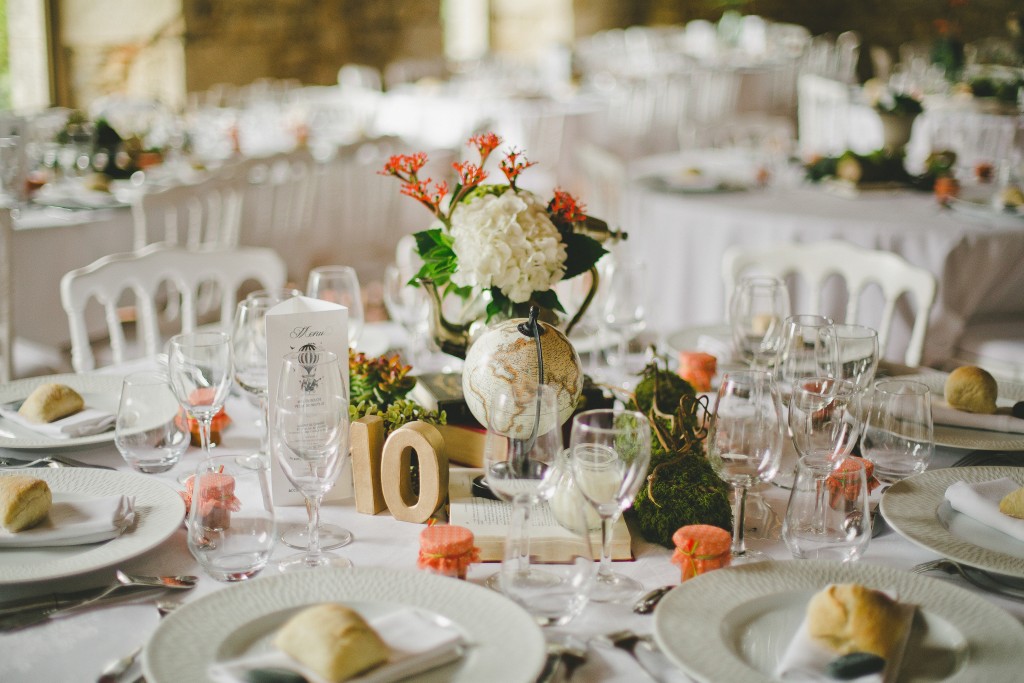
(503, 357)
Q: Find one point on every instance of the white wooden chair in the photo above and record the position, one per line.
(204, 214)
(860, 268)
(149, 274)
(6, 298)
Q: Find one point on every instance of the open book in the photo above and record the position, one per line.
(549, 541)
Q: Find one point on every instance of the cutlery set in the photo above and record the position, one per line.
(986, 581)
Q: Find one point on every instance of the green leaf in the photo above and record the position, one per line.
(582, 253)
(548, 299)
(427, 239)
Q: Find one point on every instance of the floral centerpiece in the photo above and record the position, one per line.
(499, 242)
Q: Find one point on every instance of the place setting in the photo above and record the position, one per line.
(84, 420)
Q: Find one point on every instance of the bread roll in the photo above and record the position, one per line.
(24, 502)
(1012, 504)
(333, 641)
(49, 402)
(972, 389)
(849, 618)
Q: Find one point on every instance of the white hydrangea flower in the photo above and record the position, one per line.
(509, 242)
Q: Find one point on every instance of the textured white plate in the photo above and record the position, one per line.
(975, 439)
(917, 509)
(734, 624)
(506, 644)
(159, 511)
(98, 391)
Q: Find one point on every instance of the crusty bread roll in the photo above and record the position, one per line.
(333, 641)
(1012, 504)
(49, 402)
(972, 389)
(849, 617)
(24, 502)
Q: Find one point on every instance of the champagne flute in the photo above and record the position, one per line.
(409, 307)
(807, 349)
(758, 307)
(249, 341)
(624, 300)
(524, 438)
(898, 431)
(745, 443)
(610, 450)
(199, 366)
(311, 438)
(340, 285)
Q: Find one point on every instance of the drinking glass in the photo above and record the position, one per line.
(807, 349)
(249, 340)
(610, 450)
(623, 315)
(857, 352)
(311, 438)
(898, 432)
(340, 285)
(758, 307)
(231, 519)
(408, 306)
(199, 365)
(745, 443)
(147, 433)
(827, 517)
(825, 416)
(279, 294)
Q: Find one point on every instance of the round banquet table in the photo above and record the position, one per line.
(681, 236)
(93, 638)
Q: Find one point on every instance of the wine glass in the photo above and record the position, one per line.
(610, 450)
(408, 306)
(340, 285)
(249, 340)
(758, 307)
(898, 431)
(622, 312)
(825, 416)
(807, 349)
(745, 443)
(279, 294)
(147, 432)
(524, 440)
(311, 438)
(857, 354)
(199, 366)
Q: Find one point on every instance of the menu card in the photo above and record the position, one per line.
(292, 324)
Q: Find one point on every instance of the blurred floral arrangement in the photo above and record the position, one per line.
(501, 240)
(111, 154)
(876, 167)
(948, 48)
(379, 386)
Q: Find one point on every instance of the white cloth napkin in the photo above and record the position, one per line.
(805, 660)
(980, 501)
(85, 422)
(417, 642)
(944, 414)
(76, 523)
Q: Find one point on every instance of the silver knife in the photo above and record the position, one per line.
(36, 615)
(6, 461)
(50, 601)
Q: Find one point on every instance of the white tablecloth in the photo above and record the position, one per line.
(681, 237)
(380, 541)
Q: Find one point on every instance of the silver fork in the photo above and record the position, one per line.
(566, 654)
(663, 672)
(975, 577)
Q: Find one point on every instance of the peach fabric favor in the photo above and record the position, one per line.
(697, 368)
(447, 550)
(700, 548)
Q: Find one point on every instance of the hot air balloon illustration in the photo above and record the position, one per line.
(309, 356)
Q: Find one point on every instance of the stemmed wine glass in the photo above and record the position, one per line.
(311, 438)
(340, 285)
(610, 450)
(249, 339)
(825, 417)
(199, 366)
(408, 306)
(524, 439)
(898, 431)
(622, 311)
(745, 443)
(807, 349)
(758, 307)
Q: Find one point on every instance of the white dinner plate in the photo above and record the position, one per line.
(99, 391)
(975, 439)
(735, 624)
(159, 511)
(917, 509)
(504, 642)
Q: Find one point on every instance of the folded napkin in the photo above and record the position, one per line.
(1003, 421)
(85, 422)
(980, 501)
(417, 642)
(76, 523)
(805, 660)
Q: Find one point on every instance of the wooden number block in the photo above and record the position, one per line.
(367, 437)
(428, 444)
